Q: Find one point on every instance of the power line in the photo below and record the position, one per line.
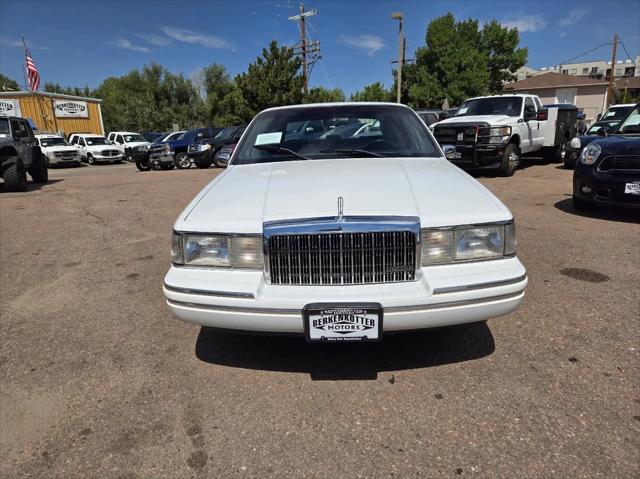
(625, 50)
(585, 53)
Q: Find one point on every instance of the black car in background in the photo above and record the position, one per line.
(575, 146)
(204, 152)
(608, 170)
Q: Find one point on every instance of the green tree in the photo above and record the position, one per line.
(374, 92)
(500, 44)
(323, 95)
(274, 79)
(234, 109)
(460, 60)
(8, 84)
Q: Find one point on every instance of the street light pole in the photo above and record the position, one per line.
(398, 16)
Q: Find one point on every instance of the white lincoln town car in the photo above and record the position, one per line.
(342, 222)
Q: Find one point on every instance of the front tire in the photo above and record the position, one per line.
(143, 165)
(90, 159)
(38, 171)
(510, 160)
(561, 152)
(15, 177)
(182, 161)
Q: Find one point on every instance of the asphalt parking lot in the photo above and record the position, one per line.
(98, 380)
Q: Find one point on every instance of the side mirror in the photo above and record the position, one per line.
(530, 115)
(603, 131)
(449, 151)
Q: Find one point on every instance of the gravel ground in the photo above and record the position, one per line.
(98, 380)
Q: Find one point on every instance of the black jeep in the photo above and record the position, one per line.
(20, 154)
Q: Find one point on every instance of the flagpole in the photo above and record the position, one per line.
(24, 67)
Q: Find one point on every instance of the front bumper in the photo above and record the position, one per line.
(107, 158)
(605, 187)
(475, 156)
(445, 295)
(161, 158)
(54, 161)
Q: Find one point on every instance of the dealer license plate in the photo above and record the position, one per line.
(457, 155)
(325, 322)
(632, 188)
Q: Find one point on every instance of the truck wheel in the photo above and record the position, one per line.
(143, 165)
(203, 164)
(90, 159)
(510, 160)
(15, 177)
(216, 162)
(38, 171)
(182, 161)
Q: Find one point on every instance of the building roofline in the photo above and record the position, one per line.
(554, 86)
(10, 94)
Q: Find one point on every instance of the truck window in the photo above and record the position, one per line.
(119, 139)
(18, 129)
(4, 126)
(528, 104)
(537, 100)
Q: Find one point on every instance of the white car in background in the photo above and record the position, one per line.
(95, 148)
(343, 238)
(57, 150)
(129, 143)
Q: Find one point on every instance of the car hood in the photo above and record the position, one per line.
(135, 144)
(493, 120)
(245, 196)
(57, 148)
(101, 147)
(619, 144)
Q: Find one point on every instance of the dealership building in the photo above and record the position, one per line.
(53, 112)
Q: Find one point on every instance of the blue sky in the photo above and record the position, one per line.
(82, 42)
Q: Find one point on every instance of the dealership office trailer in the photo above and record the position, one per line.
(53, 112)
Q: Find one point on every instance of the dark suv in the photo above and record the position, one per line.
(20, 154)
(204, 152)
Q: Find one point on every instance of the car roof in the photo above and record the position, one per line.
(47, 135)
(123, 133)
(622, 104)
(88, 135)
(334, 104)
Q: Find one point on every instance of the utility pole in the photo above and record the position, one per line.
(401, 49)
(314, 47)
(612, 75)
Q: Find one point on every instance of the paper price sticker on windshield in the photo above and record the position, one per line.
(268, 138)
(330, 322)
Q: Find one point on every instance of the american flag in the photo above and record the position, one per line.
(32, 70)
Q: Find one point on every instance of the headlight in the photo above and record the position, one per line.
(590, 154)
(143, 148)
(204, 147)
(575, 143)
(467, 243)
(167, 148)
(499, 134)
(223, 251)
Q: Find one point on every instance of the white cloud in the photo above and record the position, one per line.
(574, 16)
(153, 39)
(370, 44)
(196, 38)
(563, 34)
(127, 45)
(17, 43)
(525, 23)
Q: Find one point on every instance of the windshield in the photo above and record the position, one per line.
(96, 140)
(52, 141)
(224, 134)
(507, 105)
(631, 124)
(342, 131)
(133, 138)
(616, 112)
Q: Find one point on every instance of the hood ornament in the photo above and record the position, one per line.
(340, 208)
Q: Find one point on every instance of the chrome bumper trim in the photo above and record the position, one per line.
(471, 287)
(394, 309)
(203, 292)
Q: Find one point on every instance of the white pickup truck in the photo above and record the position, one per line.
(493, 132)
(130, 144)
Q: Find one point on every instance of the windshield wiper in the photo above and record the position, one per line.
(353, 153)
(280, 149)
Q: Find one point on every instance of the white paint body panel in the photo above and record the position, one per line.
(243, 197)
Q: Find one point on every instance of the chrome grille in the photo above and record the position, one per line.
(110, 152)
(342, 250)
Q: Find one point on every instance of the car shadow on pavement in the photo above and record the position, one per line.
(31, 186)
(600, 212)
(352, 361)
